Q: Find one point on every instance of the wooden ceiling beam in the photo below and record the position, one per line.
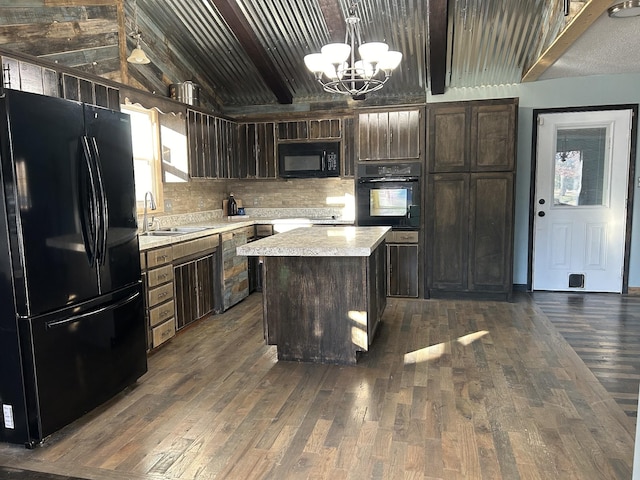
(437, 18)
(334, 19)
(578, 25)
(251, 44)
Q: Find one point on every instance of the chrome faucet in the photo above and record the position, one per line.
(145, 222)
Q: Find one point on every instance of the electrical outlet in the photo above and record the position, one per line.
(168, 205)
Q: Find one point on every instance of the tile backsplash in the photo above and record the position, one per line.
(201, 200)
(334, 196)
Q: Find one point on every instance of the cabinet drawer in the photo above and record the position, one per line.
(264, 230)
(161, 313)
(402, 237)
(159, 256)
(160, 294)
(191, 247)
(160, 275)
(163, 332)
(235, 234)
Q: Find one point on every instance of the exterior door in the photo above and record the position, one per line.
(581, 187)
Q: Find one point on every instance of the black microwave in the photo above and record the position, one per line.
(309, 160)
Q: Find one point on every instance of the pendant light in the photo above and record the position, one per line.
(137, 57)
(137, 54)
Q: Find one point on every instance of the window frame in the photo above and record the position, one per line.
(155, 162)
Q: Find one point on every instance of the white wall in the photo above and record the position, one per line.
(566, 92)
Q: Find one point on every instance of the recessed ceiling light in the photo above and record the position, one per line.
(630, 8)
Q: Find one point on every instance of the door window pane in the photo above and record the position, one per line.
(581, 174)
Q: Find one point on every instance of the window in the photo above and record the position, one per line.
(146, 154)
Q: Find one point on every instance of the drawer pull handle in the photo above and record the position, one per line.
(163, 294)
(163, 276)
(164, 313)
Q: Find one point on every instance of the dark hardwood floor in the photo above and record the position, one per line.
(450, 390)
(604, 330)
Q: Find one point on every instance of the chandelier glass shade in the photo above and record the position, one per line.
(337, 70)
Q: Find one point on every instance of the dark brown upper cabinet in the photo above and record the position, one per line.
(317, 129)
(472, 137)
(257, 150)
(390, 135)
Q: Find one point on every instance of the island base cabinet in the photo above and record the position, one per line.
(323, 309)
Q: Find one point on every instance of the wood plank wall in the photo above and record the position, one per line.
(83, 34)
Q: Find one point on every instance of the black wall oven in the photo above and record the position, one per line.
(389, 195)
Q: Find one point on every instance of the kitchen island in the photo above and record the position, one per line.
(324, 291)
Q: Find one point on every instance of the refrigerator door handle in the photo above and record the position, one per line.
(106, 308)
(93, 212)
(104, 206)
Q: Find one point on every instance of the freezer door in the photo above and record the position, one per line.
(79, 358)
(108, 134)
(49, 206)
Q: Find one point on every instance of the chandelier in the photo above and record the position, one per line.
(337, 70)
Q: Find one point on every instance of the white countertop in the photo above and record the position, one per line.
(230, 223)
(318, 241)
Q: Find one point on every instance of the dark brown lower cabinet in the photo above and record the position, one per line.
(470, 233)
(195, 283)
(402, 265)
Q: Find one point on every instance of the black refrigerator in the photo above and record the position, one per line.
(72, 331)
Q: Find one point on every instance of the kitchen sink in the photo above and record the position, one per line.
(183, 229)
(167, 232)
(160, 233)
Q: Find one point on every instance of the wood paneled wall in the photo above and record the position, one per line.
(83, 34)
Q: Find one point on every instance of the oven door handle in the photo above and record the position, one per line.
(388, 179)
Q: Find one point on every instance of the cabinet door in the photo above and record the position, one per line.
(448, 233)
(186, 288)
(490, 237)
(402, 270)
(404, 134)
(389, 135)
(195, 135)
(246, 144)
(194, 286)
(373, 133)
(205, 271)
(235, 275)
(447, 139)
(224, 167)
(265, 150)
(348, 159)
(210, 159)
(493, 136)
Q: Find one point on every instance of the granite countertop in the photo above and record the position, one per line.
(222, 225)
(319, 241)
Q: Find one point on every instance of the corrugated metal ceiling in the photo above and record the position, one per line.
(490, 42)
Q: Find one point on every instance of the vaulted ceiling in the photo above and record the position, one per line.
(248, 54)
(244, 52)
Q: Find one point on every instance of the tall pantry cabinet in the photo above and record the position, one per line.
(470, 197)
